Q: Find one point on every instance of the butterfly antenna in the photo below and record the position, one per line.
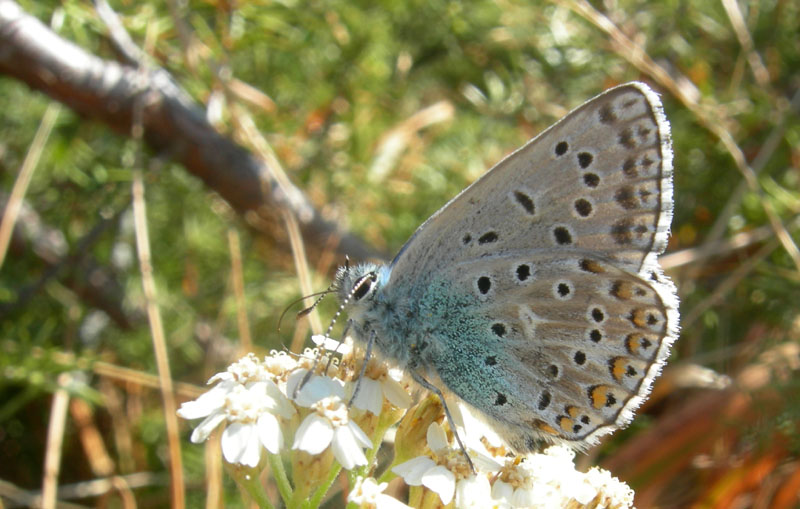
(322, 294)
(356, 287)
(304, 312)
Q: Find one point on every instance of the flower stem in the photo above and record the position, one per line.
(279, 474)
(249, 480)
(316, 500)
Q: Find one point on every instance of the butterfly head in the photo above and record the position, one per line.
(356, 285)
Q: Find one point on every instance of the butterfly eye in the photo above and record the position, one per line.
(363, 286)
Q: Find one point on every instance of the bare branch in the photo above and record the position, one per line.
(173, 124)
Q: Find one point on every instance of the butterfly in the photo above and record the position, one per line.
(535, 295)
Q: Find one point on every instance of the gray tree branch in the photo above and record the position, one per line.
(173, 124)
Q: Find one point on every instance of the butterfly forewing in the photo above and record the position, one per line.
(599, 179)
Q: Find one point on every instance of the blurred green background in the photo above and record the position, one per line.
(381, 112)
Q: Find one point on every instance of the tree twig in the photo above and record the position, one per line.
(173, 124)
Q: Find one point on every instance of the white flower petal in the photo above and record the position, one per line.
(386, 502)
(293, 380)
(279, 403)
(583, 492)
(240, 444)
(314, 434)
(224, 376)
(319, 339)
(456, 410)
(442, 481)
(317, 388)
(473, 491)
(258, 391)
(541, 495)
(437, 438)
(201, 432)
(412, 470)
(395, 393)
(359, 435)
(482, 458)
(502, 491)
(331, 344)
(269, 433)
(208, 402)
(474, 429)
(615, 491)
(251, 455)
(367, 492)
(369, 396)
(346, 450)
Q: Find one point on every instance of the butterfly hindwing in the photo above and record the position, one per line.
(560, 356)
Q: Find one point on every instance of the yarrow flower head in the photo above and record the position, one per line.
(329, 425)
(247, 398)
(250, 402)
(378, 383)
(446, 470)
(539, 480)
(549, 479)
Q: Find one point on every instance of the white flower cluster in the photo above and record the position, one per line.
(543, 480)
(264, 401)
(254, 395)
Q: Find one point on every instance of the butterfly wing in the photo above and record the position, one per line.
(557, 243)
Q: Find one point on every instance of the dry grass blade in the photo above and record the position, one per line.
(740, 27)
(142, 379)
(246, 126)
(55, 442)
(159, 342)
(213, 460)
(237, 278)
(304, 276)
(14, 204)
(697, 256)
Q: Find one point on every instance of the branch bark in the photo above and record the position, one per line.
(173, 123)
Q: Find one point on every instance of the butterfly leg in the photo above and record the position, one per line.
(426, 384)
(367, 355)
